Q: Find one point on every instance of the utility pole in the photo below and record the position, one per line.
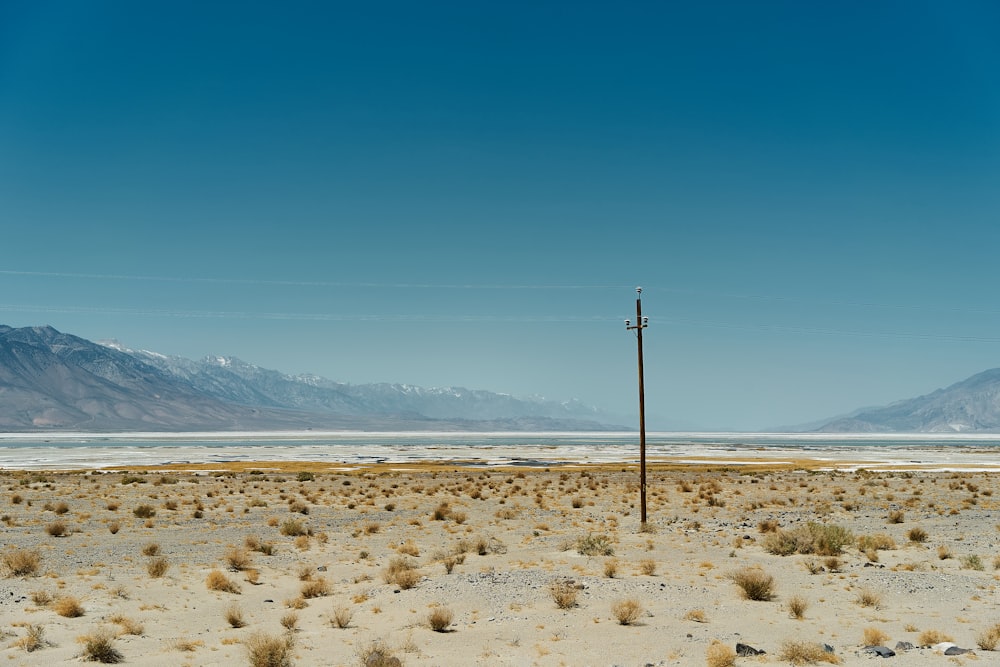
(640, 324)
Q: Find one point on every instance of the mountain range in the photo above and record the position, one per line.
(969, 406)
(51, 380)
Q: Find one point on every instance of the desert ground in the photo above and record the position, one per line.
(300, 564)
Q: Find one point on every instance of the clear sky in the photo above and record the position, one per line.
(467, 193)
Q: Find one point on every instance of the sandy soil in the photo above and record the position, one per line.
(305, 550)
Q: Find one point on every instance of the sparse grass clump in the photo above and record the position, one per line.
(988, 639)
(564, 594)
(151, 549)
(439, 619)
(33, 639)
(377, 654)
(647, 566)
(806, 653)
(720, 655)
(157, 567)
(869, 598)
(68, 607)
(217, 581)
(877, 542)
(797, 606)
(57, 529)
(99, 646)
(402, 573)
(627, 611)
(872, 636)
(595, 545)
(234, 616)
(813, 538)
(21, 562)
(265, 650)
(128, 625)
(293, 528)
(973, 562)
(896, 516)
(754, 583)
(238, 559)
(144, 511)
(931, 637)
(315, 589)
(916, 534)
(341, 617)
(696, 615)
(290, 621)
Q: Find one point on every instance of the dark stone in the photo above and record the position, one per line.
(828, 648)
(954, 650)
(881, 651)
(745, 650)
(904, 646)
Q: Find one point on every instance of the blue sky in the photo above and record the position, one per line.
(454, 193)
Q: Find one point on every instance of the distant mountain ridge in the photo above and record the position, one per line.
(969, 406)
(50, 380)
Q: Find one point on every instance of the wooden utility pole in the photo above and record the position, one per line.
(640, 324)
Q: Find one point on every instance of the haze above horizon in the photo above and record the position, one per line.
(457, 194)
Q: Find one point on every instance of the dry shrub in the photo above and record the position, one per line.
(931, 637)
(720, 655)
(797, 606)
(315, 589)
(21, 562)
(564, 594)
(627, 611)
(377, 654)
(595, 545)
(187, 645)
(68, 606)
(266, 650)
(341, 617)
(144, 511)
(873, 636)
(290, 621)
(57, 529)
(409, 548)
(439, 619)
(878, 542)
(768, 526)
(944, 553)
(916, 534)
(128, 626)
(114, 527)
(151, 549)
(234, 616)
(754, 583)
(869, 598)
(33, 639)
(217, 581)
(611, 568)
(293, 528)
(402, 573)
(41, 597)
(812, 538)
(238, 559)
(157, 567)
(896, 516)
(988, 639)
(99, 646)
(696, 615)
(806, 653)
(647, 566)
